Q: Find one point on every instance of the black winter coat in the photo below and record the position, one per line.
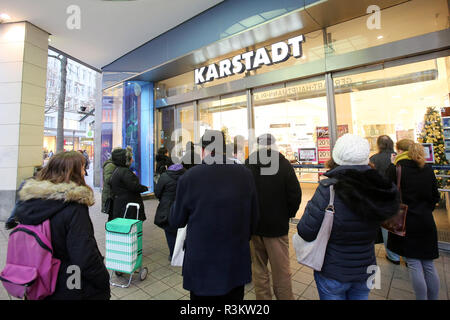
(363, 199)
(420, 192)
(218, 203)
(382, 161)
(72, 232)
(279, 197)
(126, 188)
(165, 191)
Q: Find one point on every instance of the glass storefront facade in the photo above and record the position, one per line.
(306, 107)
(128, 121)
(369, 102)
(392, 101)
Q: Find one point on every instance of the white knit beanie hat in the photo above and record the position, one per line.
(350, 150)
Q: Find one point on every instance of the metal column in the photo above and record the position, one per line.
(196, 136)
(251, 123)
(332, 123)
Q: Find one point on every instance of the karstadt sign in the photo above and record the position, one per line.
(281, 51)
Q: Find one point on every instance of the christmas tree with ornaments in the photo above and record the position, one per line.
(432, 132)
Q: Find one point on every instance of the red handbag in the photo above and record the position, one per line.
(397, 224)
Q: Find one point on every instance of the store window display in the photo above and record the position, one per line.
(127, 114)
(395, 101)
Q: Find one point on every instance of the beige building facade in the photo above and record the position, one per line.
(23, 65)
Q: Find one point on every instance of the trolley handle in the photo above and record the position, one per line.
(132, 204)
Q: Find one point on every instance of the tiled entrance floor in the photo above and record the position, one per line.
(165, 282)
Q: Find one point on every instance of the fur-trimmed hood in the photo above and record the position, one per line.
(41, 200)
(68, 192)
(122, 157)
(365, 191)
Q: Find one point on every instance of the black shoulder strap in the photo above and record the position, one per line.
(110, 178)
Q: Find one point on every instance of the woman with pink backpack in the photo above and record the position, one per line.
(59, 195)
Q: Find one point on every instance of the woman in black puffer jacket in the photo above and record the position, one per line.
(165, 191)
(363, 199)
(125, 186)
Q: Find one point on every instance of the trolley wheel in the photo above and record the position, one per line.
(143, 274)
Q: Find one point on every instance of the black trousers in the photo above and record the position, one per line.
(235, 294)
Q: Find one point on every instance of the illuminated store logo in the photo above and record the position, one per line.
(281, 51)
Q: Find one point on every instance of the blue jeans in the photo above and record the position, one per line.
(391, 255)
(330, 289)
(425, 279)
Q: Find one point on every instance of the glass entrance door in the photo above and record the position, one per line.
(184, 119)
(296, 115)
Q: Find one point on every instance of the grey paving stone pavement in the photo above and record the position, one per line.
(165, 282)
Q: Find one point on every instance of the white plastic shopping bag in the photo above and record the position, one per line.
(312, 253)
(178, 251)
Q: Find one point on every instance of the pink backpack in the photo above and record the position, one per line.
(31, 270)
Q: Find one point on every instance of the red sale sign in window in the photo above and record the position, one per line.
(323, 141)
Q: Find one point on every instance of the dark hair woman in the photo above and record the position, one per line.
(419, 191)
(380, 162)
(165, 191)
(59, 193)
(163, 161)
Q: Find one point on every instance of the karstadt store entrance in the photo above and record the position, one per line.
(307, 89)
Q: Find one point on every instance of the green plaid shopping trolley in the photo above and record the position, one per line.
(124, 247)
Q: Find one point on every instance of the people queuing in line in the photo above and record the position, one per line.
(237, 216)
(381, 162)
(125, 186)
(279, 197)
(418, 187)
(363, 200)
(59, 193)
(165, 192)
(219, 205)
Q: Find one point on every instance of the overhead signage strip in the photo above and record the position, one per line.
(251, 60)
